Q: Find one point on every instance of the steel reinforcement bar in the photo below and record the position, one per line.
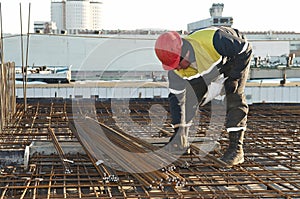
(271, 168)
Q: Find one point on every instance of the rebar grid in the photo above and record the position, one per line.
(271, 169)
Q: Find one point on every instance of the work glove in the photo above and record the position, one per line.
(180, 137)
(214, 89)
(178, 143)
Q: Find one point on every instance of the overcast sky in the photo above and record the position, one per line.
(248, 15)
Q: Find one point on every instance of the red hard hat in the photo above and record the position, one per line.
(168, 49)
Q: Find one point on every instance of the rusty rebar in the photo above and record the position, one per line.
(271, 168)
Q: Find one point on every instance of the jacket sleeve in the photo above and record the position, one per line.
(235, 50)
(184, 97)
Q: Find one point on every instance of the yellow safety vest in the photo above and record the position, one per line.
(205, 52)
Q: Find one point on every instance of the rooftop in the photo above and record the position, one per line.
(62, 163)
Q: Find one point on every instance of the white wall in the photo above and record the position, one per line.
(87, 92)
(118, 52)
(271, 48)
(273, 94)
(255, 94)
(86, 53)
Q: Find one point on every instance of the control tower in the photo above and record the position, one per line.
(216, 19)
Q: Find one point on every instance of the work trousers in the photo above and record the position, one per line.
(236, 105)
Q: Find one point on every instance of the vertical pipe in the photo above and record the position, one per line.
(1, 75)
(22, 61)
(27, 48)
(2, 51)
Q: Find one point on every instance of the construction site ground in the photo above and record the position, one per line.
(53, 148)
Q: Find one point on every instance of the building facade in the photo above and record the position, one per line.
(58, 14)
(96, 15)
(76, 16)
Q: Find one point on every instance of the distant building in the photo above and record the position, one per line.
(58, 14)
(76, 16)
(96, 15)
(216, 19)
(275, 46)
(45, 27)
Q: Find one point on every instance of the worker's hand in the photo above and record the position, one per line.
(231, 85)
(179, 140)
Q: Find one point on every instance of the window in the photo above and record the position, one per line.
(224, 20)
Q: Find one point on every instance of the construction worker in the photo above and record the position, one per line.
(199, 66)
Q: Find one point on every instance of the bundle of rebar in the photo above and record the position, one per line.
(7, 93)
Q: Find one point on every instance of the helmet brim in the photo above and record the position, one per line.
(172, 66)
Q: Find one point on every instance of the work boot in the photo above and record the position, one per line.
(234, 154)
